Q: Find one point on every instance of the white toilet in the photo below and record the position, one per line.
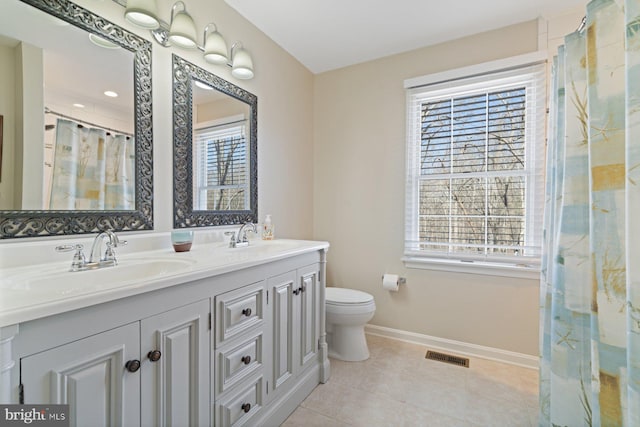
(348, 310)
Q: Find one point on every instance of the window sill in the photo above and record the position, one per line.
(531, 272)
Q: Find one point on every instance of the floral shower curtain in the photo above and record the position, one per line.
(92, 169)
(590, 296)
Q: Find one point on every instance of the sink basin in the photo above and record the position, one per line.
(51, 280)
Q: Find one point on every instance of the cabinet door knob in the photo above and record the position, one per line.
(246, 407)
(246, 312)
(296, 291)
(132, 365)
(246, 360)
(154, 355)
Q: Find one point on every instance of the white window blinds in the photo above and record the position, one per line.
(474, 167)
(221, 167)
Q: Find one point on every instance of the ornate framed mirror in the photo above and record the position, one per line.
(215, 149)
(38, 36)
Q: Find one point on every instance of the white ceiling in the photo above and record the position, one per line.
(329, 34)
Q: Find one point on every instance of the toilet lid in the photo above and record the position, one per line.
(346, 296)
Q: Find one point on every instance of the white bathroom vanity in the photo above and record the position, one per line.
(215, 336)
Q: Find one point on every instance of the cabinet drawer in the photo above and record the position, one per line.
(239, 408)
(237, 362)
(238, 311)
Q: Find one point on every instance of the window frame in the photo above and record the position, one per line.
(458, 83)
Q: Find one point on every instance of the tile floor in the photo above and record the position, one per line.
(397, 386)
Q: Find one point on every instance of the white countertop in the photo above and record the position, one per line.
(39, 290)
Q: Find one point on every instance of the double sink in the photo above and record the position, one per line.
(56, 279)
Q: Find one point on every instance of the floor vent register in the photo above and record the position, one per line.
(448, 358)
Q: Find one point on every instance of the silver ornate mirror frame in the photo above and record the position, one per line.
(184, 73)
(49, 223)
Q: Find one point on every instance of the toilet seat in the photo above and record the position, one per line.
(346, 297)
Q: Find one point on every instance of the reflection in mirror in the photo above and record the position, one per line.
(220, 150)
(215, 149)
(76, 160)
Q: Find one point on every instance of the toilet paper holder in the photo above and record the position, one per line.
(401, 280)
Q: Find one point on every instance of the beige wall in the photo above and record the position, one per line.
(359, 134)
(29, 152)
(7, 107)
(220, 109)
(285, 117)
(21, 184)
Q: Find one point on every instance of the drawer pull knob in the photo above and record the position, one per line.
(246, 407)
(246, 312)
(132, 365)
(246, 360)
(154, 355)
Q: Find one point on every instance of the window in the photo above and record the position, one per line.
(221, 167)
(474, 171)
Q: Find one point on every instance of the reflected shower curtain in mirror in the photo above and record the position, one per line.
(92, 169)
(590, 293)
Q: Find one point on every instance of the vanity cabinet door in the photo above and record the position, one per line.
(282, 310)
(91, 375)
(309, 324)
(296, 327)
(175, 367)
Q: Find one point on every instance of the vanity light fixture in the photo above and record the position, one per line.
(241, 63)
(215, 48)
(181, 32)
(143, 13)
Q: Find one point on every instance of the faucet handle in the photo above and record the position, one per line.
(117, 242)
(69, 248)
(232, 242)
(110, 254)
(243, 237)
(79, 260)
(114, 240)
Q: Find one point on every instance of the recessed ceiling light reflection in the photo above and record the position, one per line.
(111, 94)
(202, 85)
(78, 105)
(102, 42)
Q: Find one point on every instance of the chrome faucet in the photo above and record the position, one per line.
(108, 259)
(242, 233)
(109, 254)
(240, 239)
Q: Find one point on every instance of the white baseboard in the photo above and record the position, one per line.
(457, 347)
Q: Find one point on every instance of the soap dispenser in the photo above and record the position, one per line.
(267, 228)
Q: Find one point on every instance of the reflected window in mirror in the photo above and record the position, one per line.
(221, 167)
(215, 149)
(81, 161)
(220, 151)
